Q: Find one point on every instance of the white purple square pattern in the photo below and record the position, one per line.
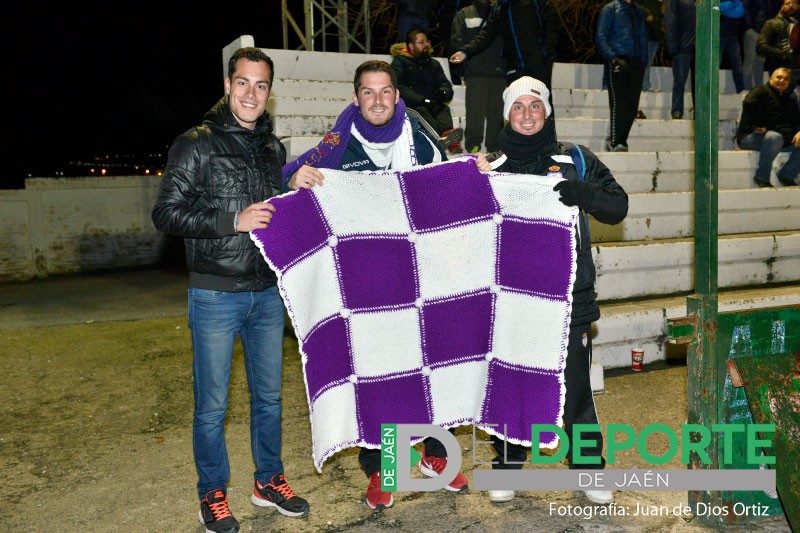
(439, 295)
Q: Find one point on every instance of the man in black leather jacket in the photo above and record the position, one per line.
(214, 191)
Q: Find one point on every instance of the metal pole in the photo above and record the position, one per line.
(706, 368)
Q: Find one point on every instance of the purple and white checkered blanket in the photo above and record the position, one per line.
(435, 295)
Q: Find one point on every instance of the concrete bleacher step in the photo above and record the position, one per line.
(638, 269)
(630, 324)
(307, 97)
(671, 215)
(645, 136)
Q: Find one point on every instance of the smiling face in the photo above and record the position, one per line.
(527, 115)
(780, 79)
(249, 88)
(376, 98)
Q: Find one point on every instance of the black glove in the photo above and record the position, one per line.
(618, 65)
(577, 193)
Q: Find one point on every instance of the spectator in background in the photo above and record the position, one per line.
(679, 32)
(413, 14)
(216, 184)
(756, 12)
(770, 123)
(731, 15)
(424, 87)
(484, 75)
(622, 42)
(774, 42)
(529, 29)
(654, 10)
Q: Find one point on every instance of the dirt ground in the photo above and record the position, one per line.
(95, 431)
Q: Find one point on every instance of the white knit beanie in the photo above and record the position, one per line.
(522, 86)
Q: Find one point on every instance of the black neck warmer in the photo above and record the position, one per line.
(529, 147)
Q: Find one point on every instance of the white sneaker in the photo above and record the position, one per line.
(499, 496)
(600, 497)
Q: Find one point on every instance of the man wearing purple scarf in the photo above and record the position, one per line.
(375, 133)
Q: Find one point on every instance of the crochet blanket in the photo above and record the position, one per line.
(436, 295)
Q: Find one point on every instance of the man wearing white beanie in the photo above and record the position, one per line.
(529, 146)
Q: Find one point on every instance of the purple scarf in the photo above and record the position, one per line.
(330, 150)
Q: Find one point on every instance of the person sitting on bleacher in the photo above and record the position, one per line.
(770, 123)
(425, 88)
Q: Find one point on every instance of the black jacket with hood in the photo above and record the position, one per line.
(213, 171)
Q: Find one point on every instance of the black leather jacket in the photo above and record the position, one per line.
(214, 170)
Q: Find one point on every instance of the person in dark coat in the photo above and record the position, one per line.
(770, 123)
(679, 31)
(529, 146)
(775, 43)
(424, 86)
(484, 76)
(529, 29)
(622, 42)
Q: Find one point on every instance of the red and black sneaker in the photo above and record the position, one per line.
(376, 498)
(433, 466)
(215, 514)
(278, 493)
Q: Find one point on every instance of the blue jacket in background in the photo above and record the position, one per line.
(622, 31)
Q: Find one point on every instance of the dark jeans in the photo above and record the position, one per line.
(682, 64)
(731, 53)
(371, 459)
(578, 406)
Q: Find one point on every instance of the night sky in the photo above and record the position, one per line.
(92, 78)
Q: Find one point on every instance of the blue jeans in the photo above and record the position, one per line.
(652, 48)
(753, 63)
(681, 65)
(731, 53)
(769, 145)
(215, 319)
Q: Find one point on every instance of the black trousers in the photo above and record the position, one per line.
(578, 406)
(371, 459)
(624, 90)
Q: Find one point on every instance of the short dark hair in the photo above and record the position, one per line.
(251, 54)
(373, 65)
(411, 36)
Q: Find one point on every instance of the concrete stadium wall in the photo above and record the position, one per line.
(71, 225)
